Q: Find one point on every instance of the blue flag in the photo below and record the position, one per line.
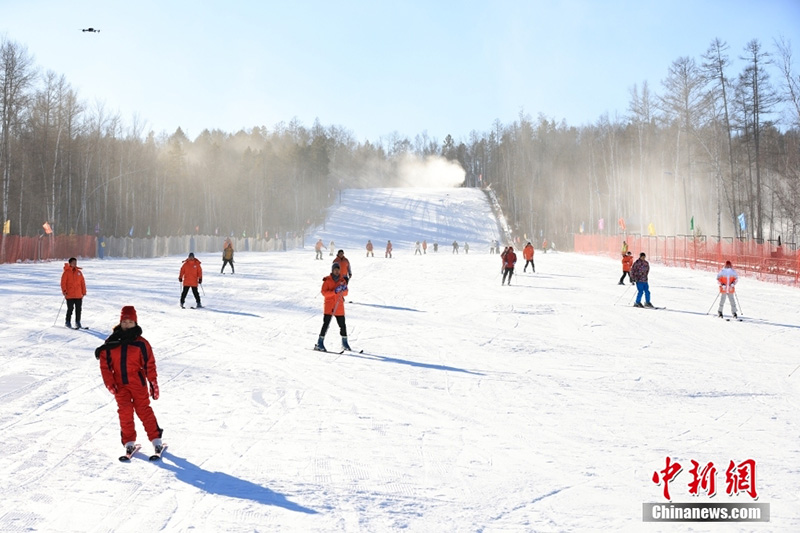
(742, 222)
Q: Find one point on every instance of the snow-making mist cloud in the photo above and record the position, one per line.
(430, 172)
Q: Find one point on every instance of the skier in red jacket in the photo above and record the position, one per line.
(128, 366)
(509, 260)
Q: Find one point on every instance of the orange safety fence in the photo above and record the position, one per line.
(15, 248)
(766, 262)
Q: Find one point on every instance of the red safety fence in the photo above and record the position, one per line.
(14, 248)
(765, 262)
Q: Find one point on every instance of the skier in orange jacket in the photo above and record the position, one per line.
(627, 262)
(527, 253)
(73, 287)
(334, 289)
(191, 276)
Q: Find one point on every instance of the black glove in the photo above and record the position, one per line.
(200, 281)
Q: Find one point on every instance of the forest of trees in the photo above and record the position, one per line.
(709, 148)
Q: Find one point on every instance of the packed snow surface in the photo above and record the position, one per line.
(546, 405)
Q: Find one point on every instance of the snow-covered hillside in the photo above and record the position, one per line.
(543, 406)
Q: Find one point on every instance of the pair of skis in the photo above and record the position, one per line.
(155, 457)
(316, 349)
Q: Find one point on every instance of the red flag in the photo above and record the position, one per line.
(47, 228)
(621, 223)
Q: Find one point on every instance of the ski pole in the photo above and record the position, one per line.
(623, 294)
(712, 305)
(59, 310)
(202, 289)
(738, 304)
(793, 371)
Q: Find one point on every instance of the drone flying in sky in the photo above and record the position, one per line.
(90, 30)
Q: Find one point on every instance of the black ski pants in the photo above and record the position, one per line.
(229, 262)
(326, 321)
(74, 303)
(186, 291)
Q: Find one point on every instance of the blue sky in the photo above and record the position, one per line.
(376, 68)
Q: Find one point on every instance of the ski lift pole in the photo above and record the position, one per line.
(712, 305)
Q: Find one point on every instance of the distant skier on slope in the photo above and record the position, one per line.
(388, 250)
(455, 247)
(191, 276)
(318, 249)
(639, 272)
(128, 366)
(527, 253)
(370, 249)
(334, 289)
(417, 248)
(727, 288)
(73, 287)
(227, 256)
(344, 264)
(509, 260)
(627, 262)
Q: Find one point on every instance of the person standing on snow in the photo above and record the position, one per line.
(424, 247)
(370, 249)
(727, 288)
(334, 289)
(509, 260)
(227, 257)
(344, 264)
(627, 262)
(191, 276)
(318, 249)
(73, 287)
(388, 250)
(330, 250)
(455, 247)
(128, 366)
(527, 253)
(638, 273)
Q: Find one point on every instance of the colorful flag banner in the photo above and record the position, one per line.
(691, 224)
(651, 229)
(742, 222)
(582, 228)
(7, 227)
(621, 223)
(47, 228)
(130, 233)
(601, 224)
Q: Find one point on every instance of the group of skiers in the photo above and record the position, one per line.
(128, 366)
(638, 271)
(127, 363)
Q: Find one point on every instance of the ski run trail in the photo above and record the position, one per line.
(546, 405)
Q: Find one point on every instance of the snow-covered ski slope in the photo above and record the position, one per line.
(405, 216)
(543, 406)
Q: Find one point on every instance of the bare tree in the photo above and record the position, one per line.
(16, 77)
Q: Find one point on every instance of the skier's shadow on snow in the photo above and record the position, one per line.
(392, 307)
(240, 313)
(375, 357)
(227, 485)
